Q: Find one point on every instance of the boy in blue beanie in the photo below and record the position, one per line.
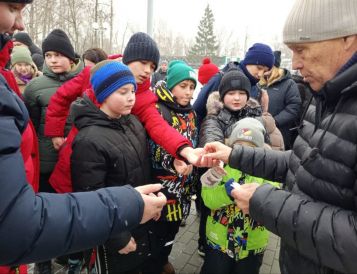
(178, 183)
(258, 60)
(111, 150)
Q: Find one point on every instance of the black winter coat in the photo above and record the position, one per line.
(219, 122)
(284, 105)
(111, 152)
(316, 215)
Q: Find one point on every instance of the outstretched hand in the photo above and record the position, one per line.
(242, 195)
(182, 168)
(216, 152)
(192, 155)
(153, 203)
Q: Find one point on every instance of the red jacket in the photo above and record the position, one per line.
(158, 129)
(29, 142)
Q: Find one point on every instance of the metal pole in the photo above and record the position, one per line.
(96, 20)
(149, 25)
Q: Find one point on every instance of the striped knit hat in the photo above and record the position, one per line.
(108, 76)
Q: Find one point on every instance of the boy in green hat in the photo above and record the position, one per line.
(176, 177)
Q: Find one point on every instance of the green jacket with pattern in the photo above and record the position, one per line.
(227, 228)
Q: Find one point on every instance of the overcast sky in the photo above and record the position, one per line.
(263, 20)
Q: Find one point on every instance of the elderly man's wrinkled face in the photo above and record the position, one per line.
(318, 62)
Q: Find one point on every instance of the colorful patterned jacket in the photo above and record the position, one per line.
(227, 228)
(177, 188)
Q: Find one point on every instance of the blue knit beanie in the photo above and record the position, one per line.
(108, 76)
(259, 54)
(179, 71)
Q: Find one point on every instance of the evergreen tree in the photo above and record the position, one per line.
(206, 44)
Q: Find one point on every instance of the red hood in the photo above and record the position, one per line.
(5, 53)
(144, 86)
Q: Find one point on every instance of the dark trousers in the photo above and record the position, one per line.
(45, 185)
(166, 232)
(204, 212)
(217, 262)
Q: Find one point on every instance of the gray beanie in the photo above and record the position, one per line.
(248, 130)
(319, 20)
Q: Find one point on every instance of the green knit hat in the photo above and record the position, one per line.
(179, 71)
(21, 55)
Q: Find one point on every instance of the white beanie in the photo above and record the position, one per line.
(319, 20)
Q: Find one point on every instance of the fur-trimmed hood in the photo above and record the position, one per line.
(215, 105)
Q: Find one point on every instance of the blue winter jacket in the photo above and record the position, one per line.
(39, 227)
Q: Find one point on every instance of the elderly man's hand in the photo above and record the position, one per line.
(242, 195)
(216, 152)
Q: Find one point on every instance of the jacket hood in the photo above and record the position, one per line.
(85, 114)
(215, 105)
(166, 97)
(77, 68)
(277, 75)
(6, 46)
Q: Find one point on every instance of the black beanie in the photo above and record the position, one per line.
(58, 41)
(234, 80)
(277, 58)
(141, 47)
(24, 38)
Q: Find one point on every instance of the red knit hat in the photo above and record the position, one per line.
(206, 70)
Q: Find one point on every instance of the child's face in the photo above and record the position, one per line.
(257, 71)
(119, 102)
(142, 70)
(23, 69)
(235, 99)
(57, 62)
(183, 92)
(11, 17)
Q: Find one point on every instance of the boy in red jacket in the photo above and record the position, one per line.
(142, 57)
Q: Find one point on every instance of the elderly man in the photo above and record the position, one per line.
(316, 214)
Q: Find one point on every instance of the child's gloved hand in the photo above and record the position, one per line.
(229, 185)
(213, 176)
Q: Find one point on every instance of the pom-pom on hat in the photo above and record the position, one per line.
(206, 70)
(259, 54)
(234, 80)
(249, 130)
(179, 71)
(108, 76)
(141, 47)
(58, 41)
